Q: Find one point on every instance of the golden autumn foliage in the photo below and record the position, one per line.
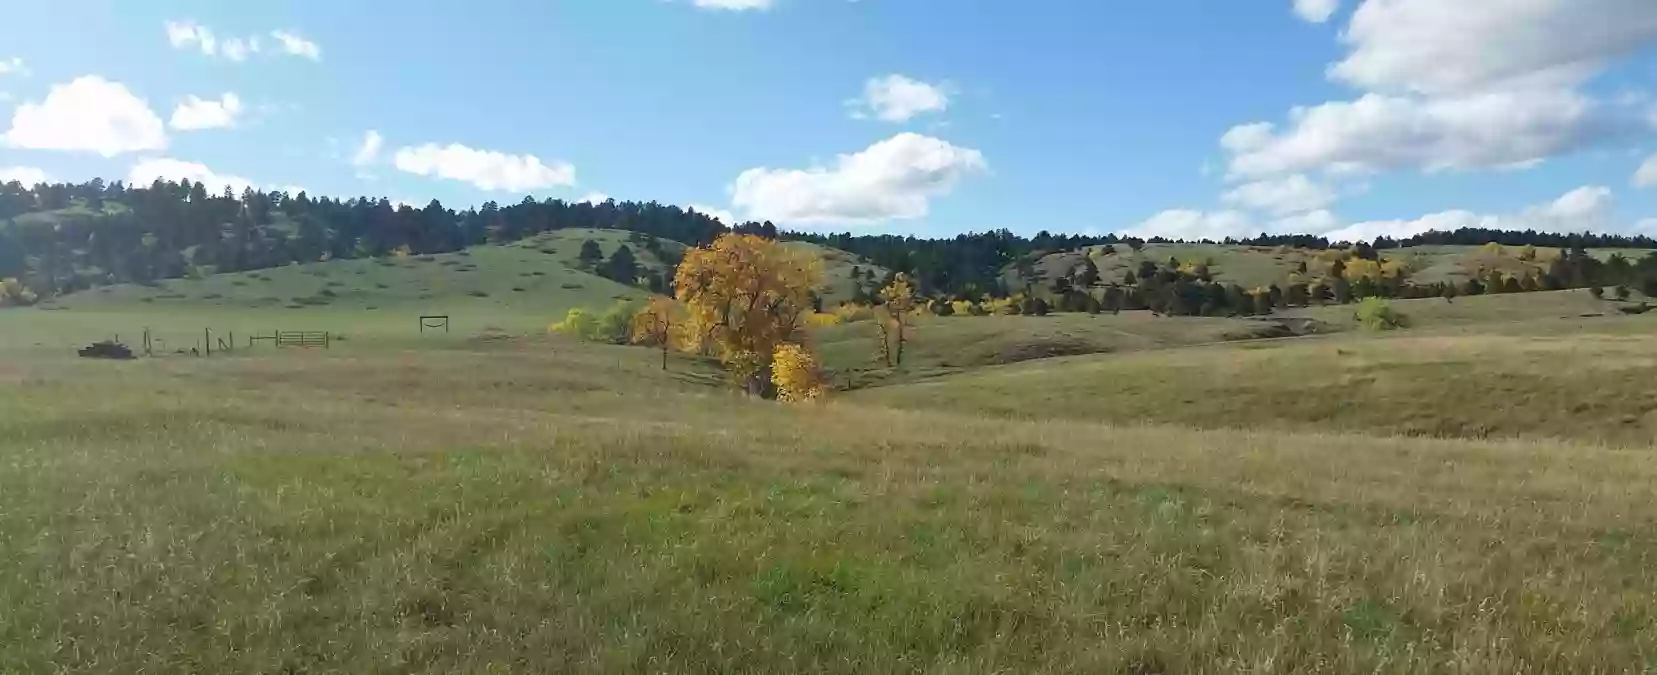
(743, 296)
(14, 294)
(656, 325)
(899, 297)
(822, 319)
(851, 312)
(796, 374)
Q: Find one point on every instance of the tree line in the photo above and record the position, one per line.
(61, 237)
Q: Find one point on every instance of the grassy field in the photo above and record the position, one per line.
(944, 345)
(543, 506)
(1475, 495)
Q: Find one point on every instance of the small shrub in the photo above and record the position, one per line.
(425, 258)
(477, 294)
(381, 286)
(238, 282)
(1377, 314)
(212, 296)
(571, 287)
(326, 293)
(517, 289)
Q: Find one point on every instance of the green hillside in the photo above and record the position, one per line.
(838, 285)
(1254, 266)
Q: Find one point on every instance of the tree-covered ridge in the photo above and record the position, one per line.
(59, 238)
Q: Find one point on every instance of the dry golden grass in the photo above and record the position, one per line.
(547, 507)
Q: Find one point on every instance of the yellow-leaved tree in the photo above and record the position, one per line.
(796, 374)
(899, 298)
(14, 294)
(744, 295)
(656, 324)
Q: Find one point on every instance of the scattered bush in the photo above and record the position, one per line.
(238, 282)
(571, 287)
(1377, 314)
(326, 293)
(517, 289)
(478, 294)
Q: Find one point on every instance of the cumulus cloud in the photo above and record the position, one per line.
(237, 49)
(893, 179)
(896, 98)
(1465, 85)
(1281, 196)
(734, 5)
(26, 175)
(716, 213)
(1585, 208)
(295, 45)
(1646, 175)
(594, 198)
(485, 169)
(1316, 11)
(14, 66)
(196, 113)
(1193, 225)
(167, 168)
(368, 151)
(88, 114)
(1490, 129)
(1438, 47)
(186, 34)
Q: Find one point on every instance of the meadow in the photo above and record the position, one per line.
(1114, 494)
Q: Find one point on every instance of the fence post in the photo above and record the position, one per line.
(207, 341)
(326, 338)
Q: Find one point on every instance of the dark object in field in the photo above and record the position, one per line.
(1637, 309)
(108, 349)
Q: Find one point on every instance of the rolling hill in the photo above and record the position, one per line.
(1254, 266)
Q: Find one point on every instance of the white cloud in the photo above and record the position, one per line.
(892, 179)
(297, 46)
(1585, 208)
(734, 5)
(1463, 85)
(368, 151)
(196, 113)
(26, 175)
(14, 66)
(485, 169)
(594, 198)
(1646, 175)
(1192, 225)
(896, 98)
(88, 114)
(237, 49)
(1281, 196)
(1438, 47)
(1316, 11)
(716, 213)
(1490, 129)
(186, 33)
(167, 168)
(1315, 222)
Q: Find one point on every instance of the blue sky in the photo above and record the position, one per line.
(914, 116)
